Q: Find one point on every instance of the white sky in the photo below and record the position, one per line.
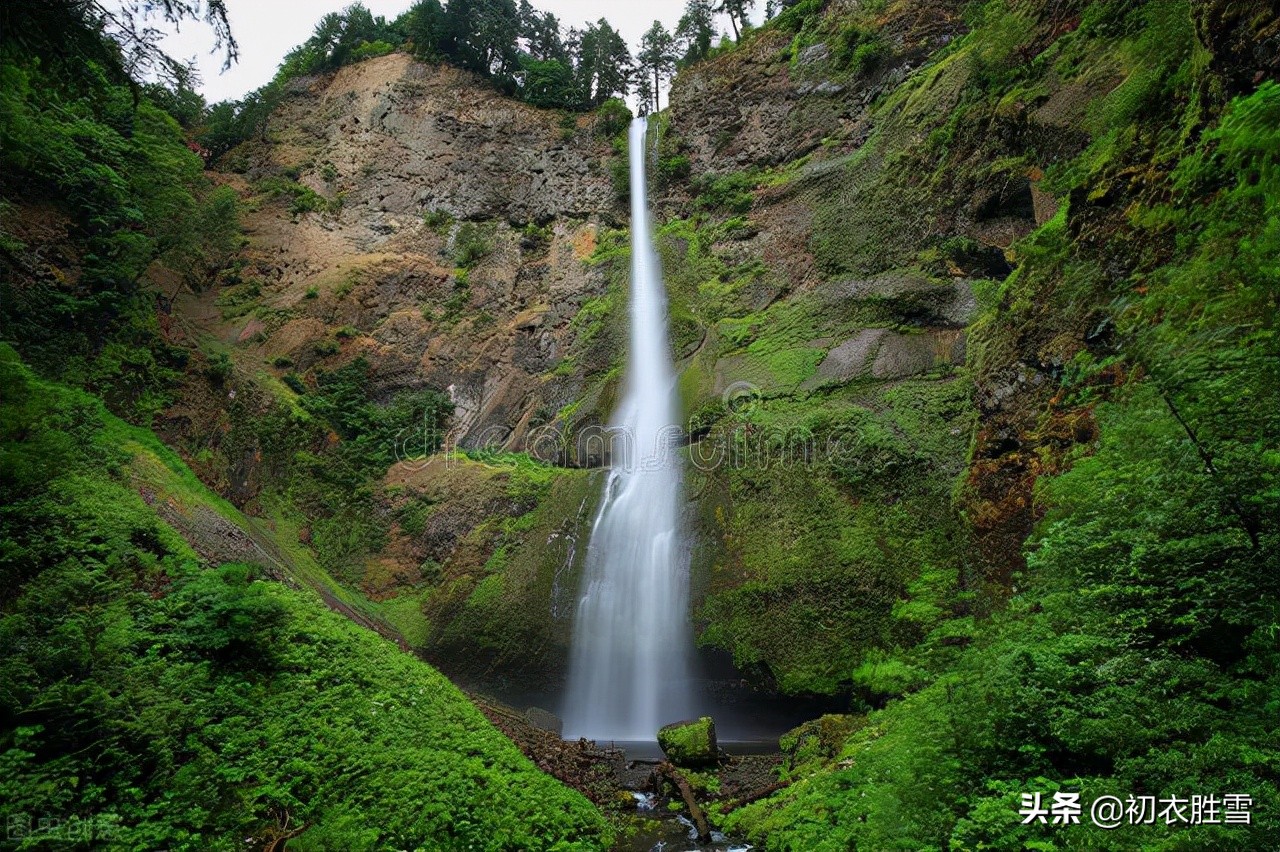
(268, 29)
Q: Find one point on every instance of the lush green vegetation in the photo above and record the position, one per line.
(1127, 644)
(523, 52)
(151, 700)
(1137, 652)
(136, 199)
(162, 703)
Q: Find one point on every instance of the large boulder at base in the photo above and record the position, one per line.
(691, 743)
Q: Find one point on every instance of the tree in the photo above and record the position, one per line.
(424, 25)
(644, 93)
(737, 10)
(119, 37)
(482, 36)
(540, 32)
(340, 38)
(604, 64)
(657, 58)
(547, 83)
(695, 30)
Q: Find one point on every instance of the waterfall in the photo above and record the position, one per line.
(629, 665)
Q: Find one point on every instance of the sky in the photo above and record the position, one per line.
(268, 29)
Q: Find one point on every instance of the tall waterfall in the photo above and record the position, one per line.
(629, 666)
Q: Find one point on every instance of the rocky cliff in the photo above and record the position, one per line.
(844, 202)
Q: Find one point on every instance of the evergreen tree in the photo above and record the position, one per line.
(540, 32)
(657, 58)
(737, 10)
(424, 26)
(644, 93)
(340, 38)
(120, 38)
(695, 30)
(604, 64)
(482, 36)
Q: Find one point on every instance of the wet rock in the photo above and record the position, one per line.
(544, 720)
(690, 743)
(884, 354)
(821, 738)
(908, 296)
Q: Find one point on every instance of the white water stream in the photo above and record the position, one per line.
(629, 670)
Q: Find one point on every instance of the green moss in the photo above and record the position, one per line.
(216, 674)
(404, 614)
(690, 743)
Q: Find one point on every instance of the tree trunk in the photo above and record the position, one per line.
(668, 771)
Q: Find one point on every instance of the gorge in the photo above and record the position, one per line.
(325, 415)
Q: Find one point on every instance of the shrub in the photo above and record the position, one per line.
(438, 220)
(612, 118)
(470, 245)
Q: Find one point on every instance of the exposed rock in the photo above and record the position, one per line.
(544, 720)
(884, 354)
(690, 744)
(911, 297)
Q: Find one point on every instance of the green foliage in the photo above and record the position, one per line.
(134, 196)
(294, 382)
(730, 193)
(341, 38)
(471, 244)
(672, 170)
(438, 220)
(1137, 654)
(547, 83)
(612, 118)
(302, 198)
(370, 430)
(858, 50)
(219, 368)
(169, 705)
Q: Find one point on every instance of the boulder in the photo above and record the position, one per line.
(544, 719)
(690, 743)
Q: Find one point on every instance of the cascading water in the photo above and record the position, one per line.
(629, 665)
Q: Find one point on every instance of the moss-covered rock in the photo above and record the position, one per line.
(691, 743)
(821, 739)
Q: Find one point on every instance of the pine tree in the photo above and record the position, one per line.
(657, 58)
(695, 30)
(737, 10)
(604, 64)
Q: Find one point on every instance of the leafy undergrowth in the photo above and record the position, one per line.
(158, 703)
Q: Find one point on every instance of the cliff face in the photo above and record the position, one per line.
(854, 210)
(406, 222)
(438, 225)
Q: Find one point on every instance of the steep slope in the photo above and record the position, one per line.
(154, 700)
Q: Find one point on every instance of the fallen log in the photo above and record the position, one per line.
(668, 771)
(755, 795)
